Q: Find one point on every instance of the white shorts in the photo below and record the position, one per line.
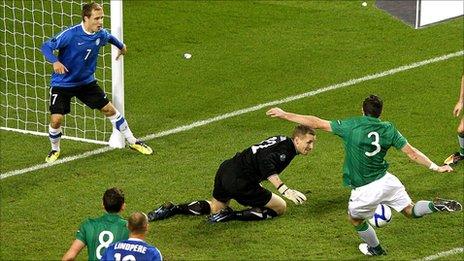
(387, 190)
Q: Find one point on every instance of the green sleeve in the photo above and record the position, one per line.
(339, 127)
(398, 140)
(81, 233)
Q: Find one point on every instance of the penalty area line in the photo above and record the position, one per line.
(451, 252)
(242, 111)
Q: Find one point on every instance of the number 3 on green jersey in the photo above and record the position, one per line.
(375, 143)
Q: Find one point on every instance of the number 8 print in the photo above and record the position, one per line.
(103, 243)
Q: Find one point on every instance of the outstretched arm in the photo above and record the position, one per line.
(458, 108)
(420, 158)
(308, 120)
(120, 45)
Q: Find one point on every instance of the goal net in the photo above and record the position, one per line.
(25, 74)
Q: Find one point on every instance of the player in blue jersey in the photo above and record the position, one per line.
(134, 248)
(73, 76)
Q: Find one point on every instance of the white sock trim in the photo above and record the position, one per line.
(53, 131)
(115, 116)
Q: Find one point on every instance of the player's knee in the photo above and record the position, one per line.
(108, 110)
(278, 205)
(355, 221)
(55, 121)
(281, 210)
(461, 129)
(55, 124)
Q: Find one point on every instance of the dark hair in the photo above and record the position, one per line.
(372, 106)
(113, 199)
(301, 130)
(137, 223)
(87, 9)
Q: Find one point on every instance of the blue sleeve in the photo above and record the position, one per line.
(47, 50)
(59, 41)
(114, 41)
(156, 256)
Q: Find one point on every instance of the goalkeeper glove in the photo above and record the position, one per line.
(294, 195)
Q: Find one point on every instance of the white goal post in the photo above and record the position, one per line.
(25, 74)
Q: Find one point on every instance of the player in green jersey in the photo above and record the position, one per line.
(459, 155)
(98, 233)
(367, 140)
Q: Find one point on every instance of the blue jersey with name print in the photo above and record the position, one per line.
(132, 249)
(78, 52)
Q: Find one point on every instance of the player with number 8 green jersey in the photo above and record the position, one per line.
(99, 233)
(366, 140)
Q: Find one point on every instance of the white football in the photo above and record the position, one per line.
(382, 216)
(187, 56)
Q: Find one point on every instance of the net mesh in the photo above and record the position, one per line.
(25, 74)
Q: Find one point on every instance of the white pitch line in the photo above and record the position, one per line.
(243, 111)
(443, 254)
(45, 134)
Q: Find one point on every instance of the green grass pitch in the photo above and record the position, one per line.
(247, 53)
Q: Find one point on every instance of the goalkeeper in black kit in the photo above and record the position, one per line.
(240, 178)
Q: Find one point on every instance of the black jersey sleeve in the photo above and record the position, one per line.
(271, 156)
(267, 164)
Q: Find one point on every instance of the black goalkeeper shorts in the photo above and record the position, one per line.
(230, 184)
(90, 94)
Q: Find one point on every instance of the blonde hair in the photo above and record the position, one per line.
(301, 130)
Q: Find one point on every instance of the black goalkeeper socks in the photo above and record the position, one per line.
(200, 207)
(256, 213)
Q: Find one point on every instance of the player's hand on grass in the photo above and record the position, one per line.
(276, 112)
(295, 196)
(292, 194)
(59, 68)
